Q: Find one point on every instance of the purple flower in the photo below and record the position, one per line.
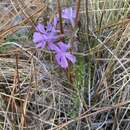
(55, 21)
(69, 14)
(62, 55)
(49, 36)
(38, 37)
(44, 34)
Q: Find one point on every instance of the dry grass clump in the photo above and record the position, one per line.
(35, 93)
(31, 97)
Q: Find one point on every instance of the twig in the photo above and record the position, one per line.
(60, 16)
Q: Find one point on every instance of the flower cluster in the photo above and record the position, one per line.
(48, 37)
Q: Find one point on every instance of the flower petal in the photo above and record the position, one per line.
(70, 57)
(40, 28)
(61, 60)
(51, 38)
(49, 27)
(53, 47)
(55, 21)
(58, 59)
(43, 44)
(63, 46)
(68, 13)
(37, 37)
(64, 62)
